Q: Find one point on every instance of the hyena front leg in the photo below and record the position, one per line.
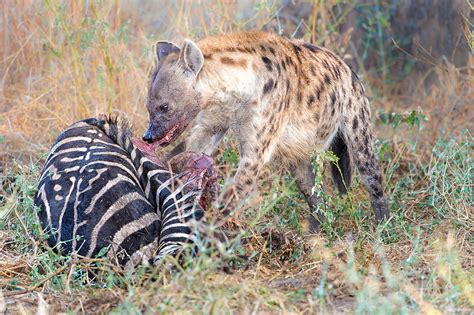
(304, 177)
(243, 186)
(358, 136)
(204, 140)
(255, 149)
(180, 148)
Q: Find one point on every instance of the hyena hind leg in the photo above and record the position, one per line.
(359, 140)
(303, 175)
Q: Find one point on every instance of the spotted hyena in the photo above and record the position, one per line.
(281, 98)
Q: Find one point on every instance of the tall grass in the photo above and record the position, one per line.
(63, 61)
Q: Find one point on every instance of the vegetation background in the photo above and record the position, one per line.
(61, 61)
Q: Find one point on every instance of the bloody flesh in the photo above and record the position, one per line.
(195, 167)
(168, 138)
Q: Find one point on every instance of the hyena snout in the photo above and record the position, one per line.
(147, 136)
(164, 133)
(156, 132)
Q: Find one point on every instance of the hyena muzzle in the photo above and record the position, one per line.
(98, 190)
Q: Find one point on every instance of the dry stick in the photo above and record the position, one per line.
(11, 270)
(57, 272)
(69, 277)
(259, 261)
(40, 283)
(14, 286)
(61, 269)
(35, 245)
(104, 262)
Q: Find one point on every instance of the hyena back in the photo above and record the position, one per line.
(281, 98)
(98, 190)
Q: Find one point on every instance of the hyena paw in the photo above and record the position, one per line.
(229, 199)
(380, 206)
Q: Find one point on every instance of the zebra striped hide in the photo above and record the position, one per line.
(98, 190)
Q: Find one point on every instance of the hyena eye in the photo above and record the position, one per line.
(164, 107)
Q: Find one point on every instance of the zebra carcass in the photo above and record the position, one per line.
(97, 190)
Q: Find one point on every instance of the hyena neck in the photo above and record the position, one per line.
(223, 84)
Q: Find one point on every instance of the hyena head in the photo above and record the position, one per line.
(173, 101)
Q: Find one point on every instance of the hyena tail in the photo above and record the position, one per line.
(342, 171)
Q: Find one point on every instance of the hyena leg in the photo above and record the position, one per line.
(204, 140)
(180, 148)
(244, 184)
(358, 136)
(304, 177)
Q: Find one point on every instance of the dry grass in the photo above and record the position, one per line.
(60, 63)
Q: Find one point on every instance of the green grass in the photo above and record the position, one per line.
(421, 260)
(67, 62)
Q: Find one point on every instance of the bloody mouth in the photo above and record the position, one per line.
(168, 138)
(149, 148)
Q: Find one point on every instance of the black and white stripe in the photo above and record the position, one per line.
(97, 189)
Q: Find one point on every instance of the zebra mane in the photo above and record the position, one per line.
(117, 128)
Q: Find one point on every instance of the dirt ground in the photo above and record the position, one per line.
(61, 62)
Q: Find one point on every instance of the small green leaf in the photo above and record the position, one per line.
(103, 251)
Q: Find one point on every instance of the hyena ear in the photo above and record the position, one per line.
(191, 57)
(164, 48)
